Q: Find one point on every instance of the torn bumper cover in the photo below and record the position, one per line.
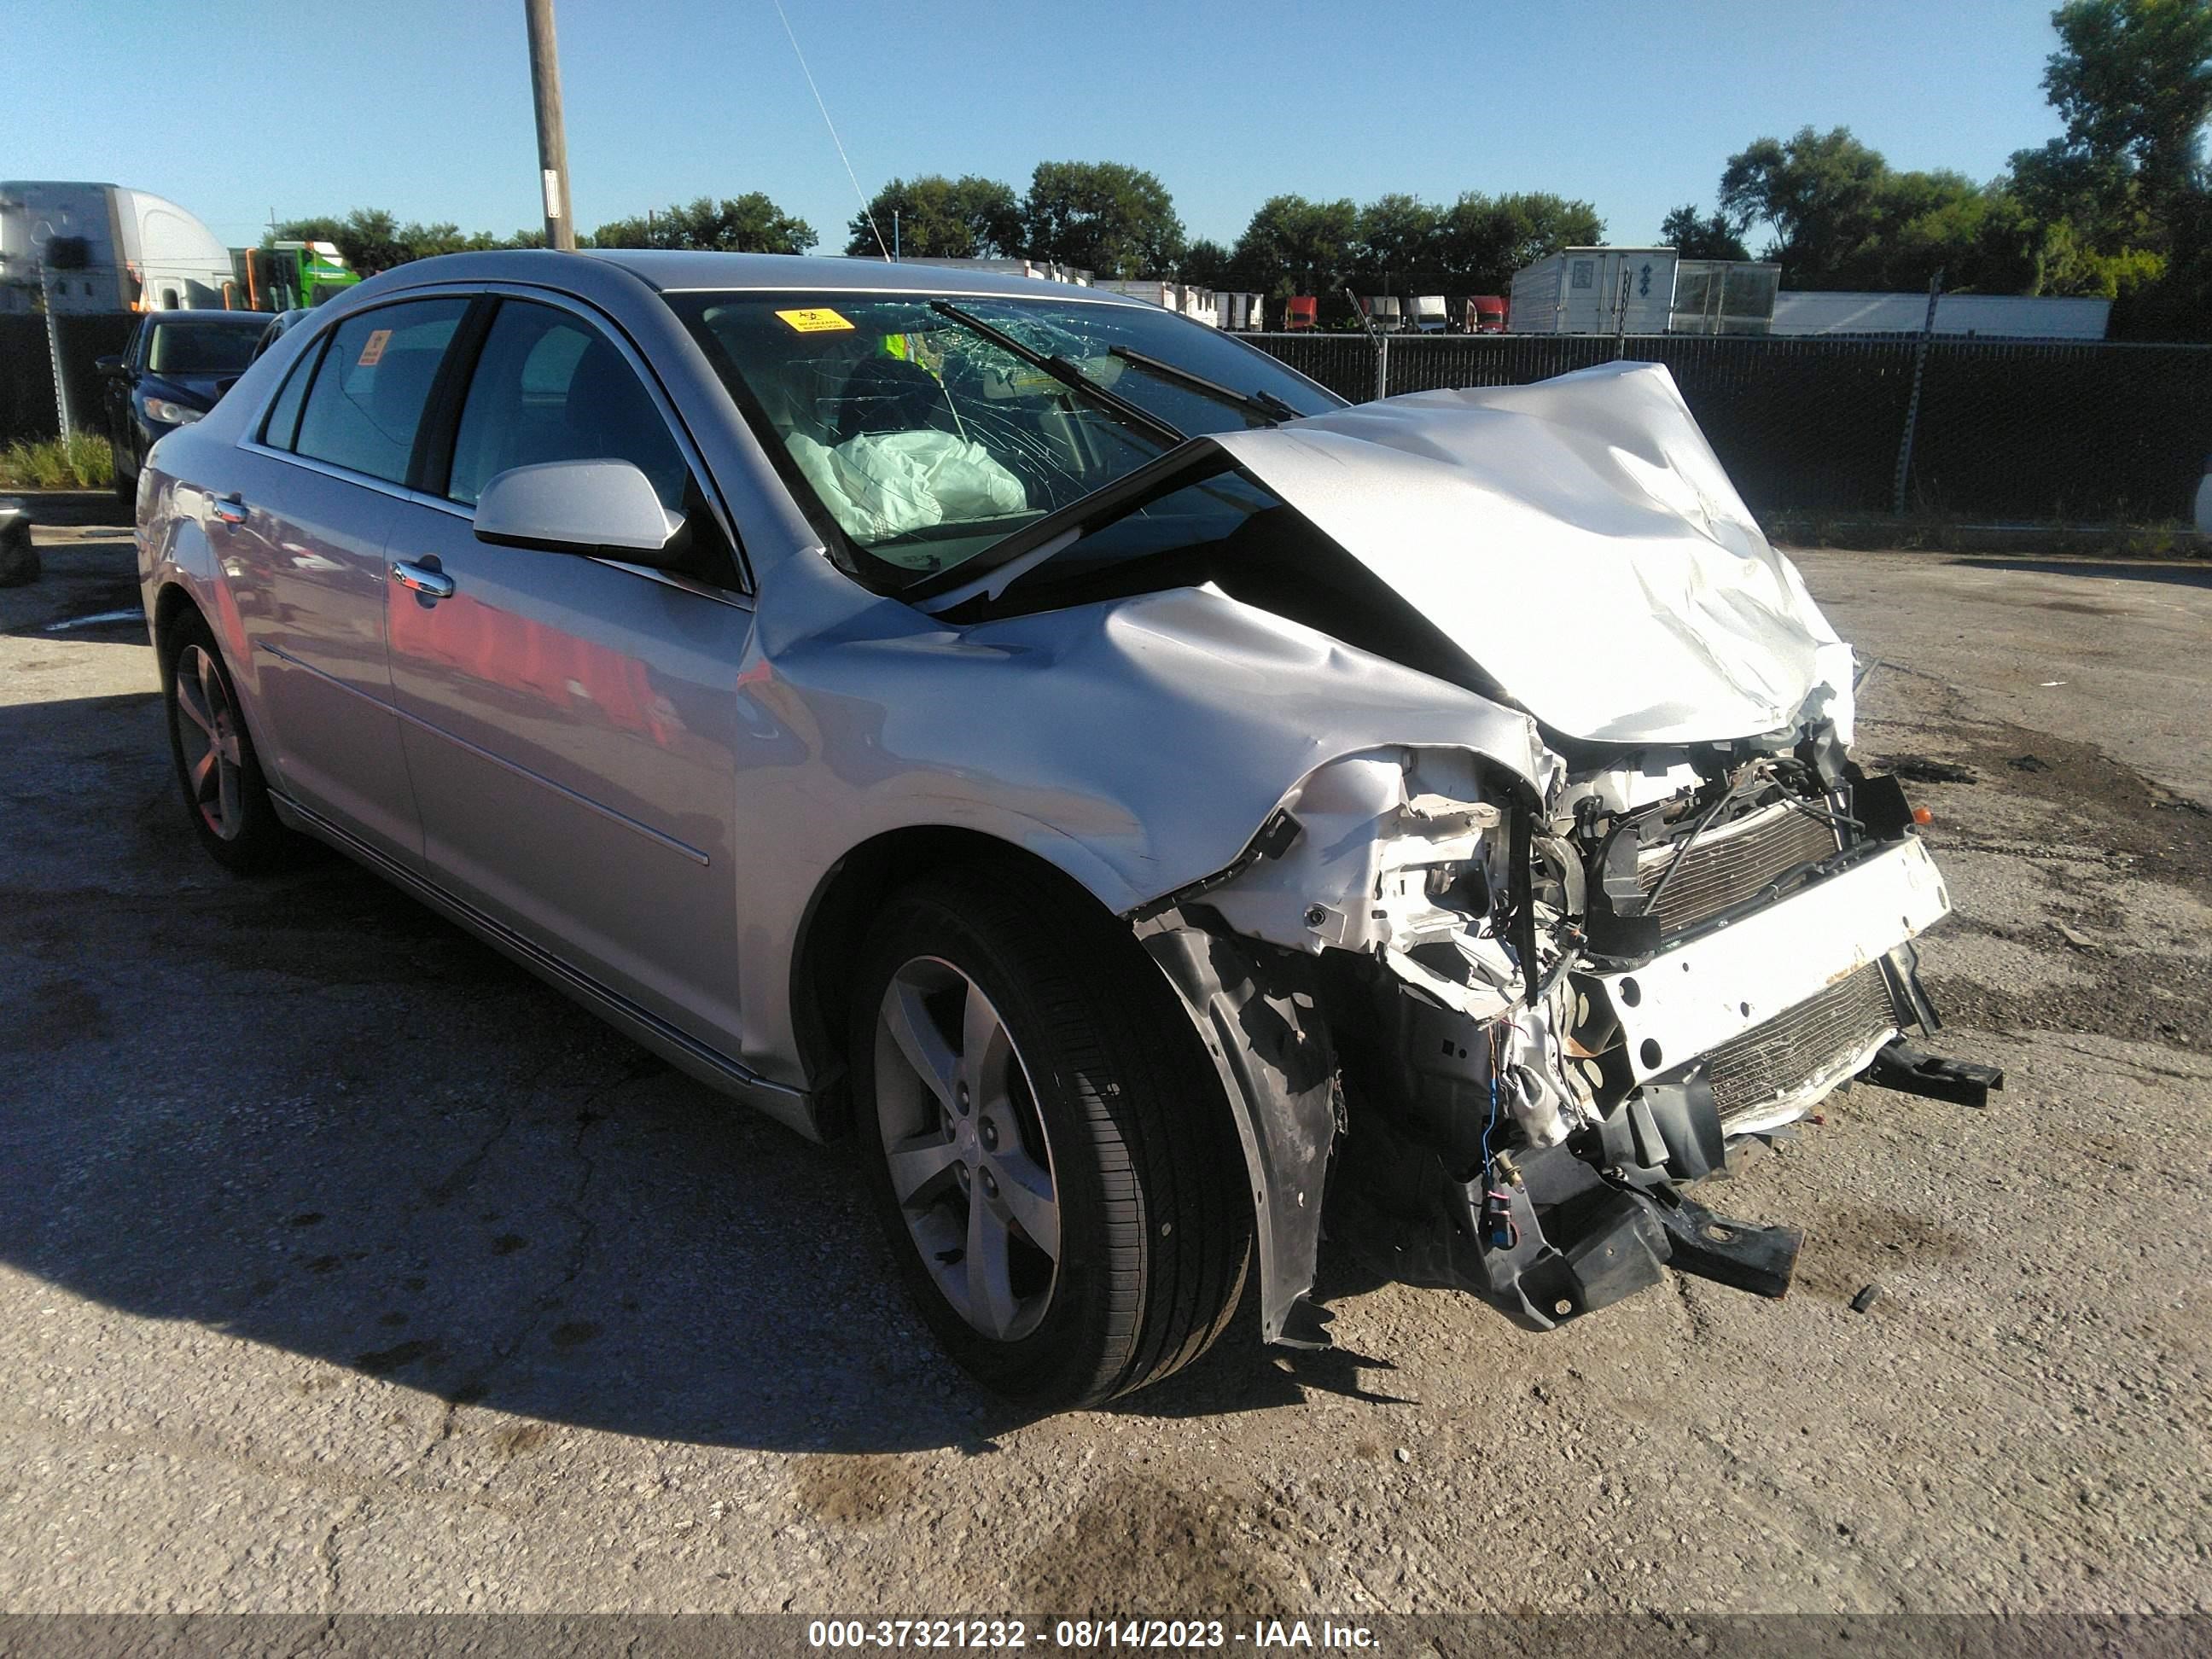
(1507, 1015)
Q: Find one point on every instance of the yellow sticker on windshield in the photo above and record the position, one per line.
(820, 319)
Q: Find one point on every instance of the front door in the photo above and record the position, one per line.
(569, 722)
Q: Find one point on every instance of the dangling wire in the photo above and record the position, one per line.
(866, 212)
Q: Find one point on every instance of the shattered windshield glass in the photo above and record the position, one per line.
(922, 430)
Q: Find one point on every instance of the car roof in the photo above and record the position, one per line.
(212, 319)
(673, 270)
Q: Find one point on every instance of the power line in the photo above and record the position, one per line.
(867, 211)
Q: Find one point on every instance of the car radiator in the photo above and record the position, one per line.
(1728, 865)
(1801, 1044)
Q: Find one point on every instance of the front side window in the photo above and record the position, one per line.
(919, 440)
(368, 395)
(549, 387)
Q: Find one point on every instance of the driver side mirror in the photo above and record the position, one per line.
(604, 510)
(107, 367)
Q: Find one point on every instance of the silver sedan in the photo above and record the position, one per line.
(1136, 795)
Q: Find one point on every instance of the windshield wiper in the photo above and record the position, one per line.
(1266, 404)
(1062, 371)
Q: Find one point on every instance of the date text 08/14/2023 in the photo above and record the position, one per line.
(1084, 1634)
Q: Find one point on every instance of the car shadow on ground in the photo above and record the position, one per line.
(307, 1112)
(2185, 573)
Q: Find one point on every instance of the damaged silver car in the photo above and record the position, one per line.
(1142, 800)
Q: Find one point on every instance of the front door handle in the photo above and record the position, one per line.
(421, 579)
(230, 509)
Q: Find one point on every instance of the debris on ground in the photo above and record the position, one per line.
(18, 559)
(2029, 763)
(2079, 940)
(1865, 1298)
(1918, 769)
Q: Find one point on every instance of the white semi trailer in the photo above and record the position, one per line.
(77, 247)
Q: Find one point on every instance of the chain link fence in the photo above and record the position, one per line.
(2007, 430)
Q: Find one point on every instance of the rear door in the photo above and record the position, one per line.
(570, 722)
(314, 493)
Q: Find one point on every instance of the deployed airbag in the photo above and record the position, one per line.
(886, 483)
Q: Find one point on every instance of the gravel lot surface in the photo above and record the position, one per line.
(343, 1267)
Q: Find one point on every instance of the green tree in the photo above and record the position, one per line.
(1695, 236)
(2123, 200)
(1483, 240)
(1818, 194)
(751, 223)
(1395, 246)
(2132, 79)
(1207, 264)
(1101, 216)
(1293, 246)
(372, 240)
(941, 218)
(1841, 217)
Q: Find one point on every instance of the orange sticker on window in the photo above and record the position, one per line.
(373, 349)
(819, 320)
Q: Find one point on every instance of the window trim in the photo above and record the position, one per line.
(710, 487)
(309, 363)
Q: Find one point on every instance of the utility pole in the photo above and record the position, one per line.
(552, 136)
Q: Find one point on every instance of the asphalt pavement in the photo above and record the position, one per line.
(343, 1267)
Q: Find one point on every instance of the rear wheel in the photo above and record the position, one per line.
(225, 796)
(1047, 1148)
(125, 485)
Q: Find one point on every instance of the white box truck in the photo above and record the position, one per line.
(1425, 313)
(1595, 290)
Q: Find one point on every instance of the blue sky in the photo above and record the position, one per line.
(234, 108)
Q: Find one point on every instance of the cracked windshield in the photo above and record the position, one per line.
(927, 430)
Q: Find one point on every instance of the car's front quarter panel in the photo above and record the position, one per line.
(1136, 745)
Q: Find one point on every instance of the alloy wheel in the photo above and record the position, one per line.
(970, 1165)
(208, 733)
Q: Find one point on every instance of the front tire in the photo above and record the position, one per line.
(225, 796)
(1045, 1143)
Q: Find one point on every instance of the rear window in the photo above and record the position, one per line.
(374, 381)
(203, 348)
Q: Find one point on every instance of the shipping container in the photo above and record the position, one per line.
(1595, 290)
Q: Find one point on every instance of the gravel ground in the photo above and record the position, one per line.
(343, 1267)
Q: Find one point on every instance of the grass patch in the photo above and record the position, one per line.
(80, 461)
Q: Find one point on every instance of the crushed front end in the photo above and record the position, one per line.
(1548, 1011)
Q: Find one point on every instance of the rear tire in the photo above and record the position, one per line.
(125, 485)
(225, 797)
(1086, 1114)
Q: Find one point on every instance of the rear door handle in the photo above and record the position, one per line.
(231, 509)
(421, 579)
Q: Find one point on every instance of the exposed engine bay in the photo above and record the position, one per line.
(1547, 1017)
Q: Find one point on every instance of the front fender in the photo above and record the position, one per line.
(1255, 1012)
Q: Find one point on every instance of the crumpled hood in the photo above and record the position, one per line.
(1578, 540)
